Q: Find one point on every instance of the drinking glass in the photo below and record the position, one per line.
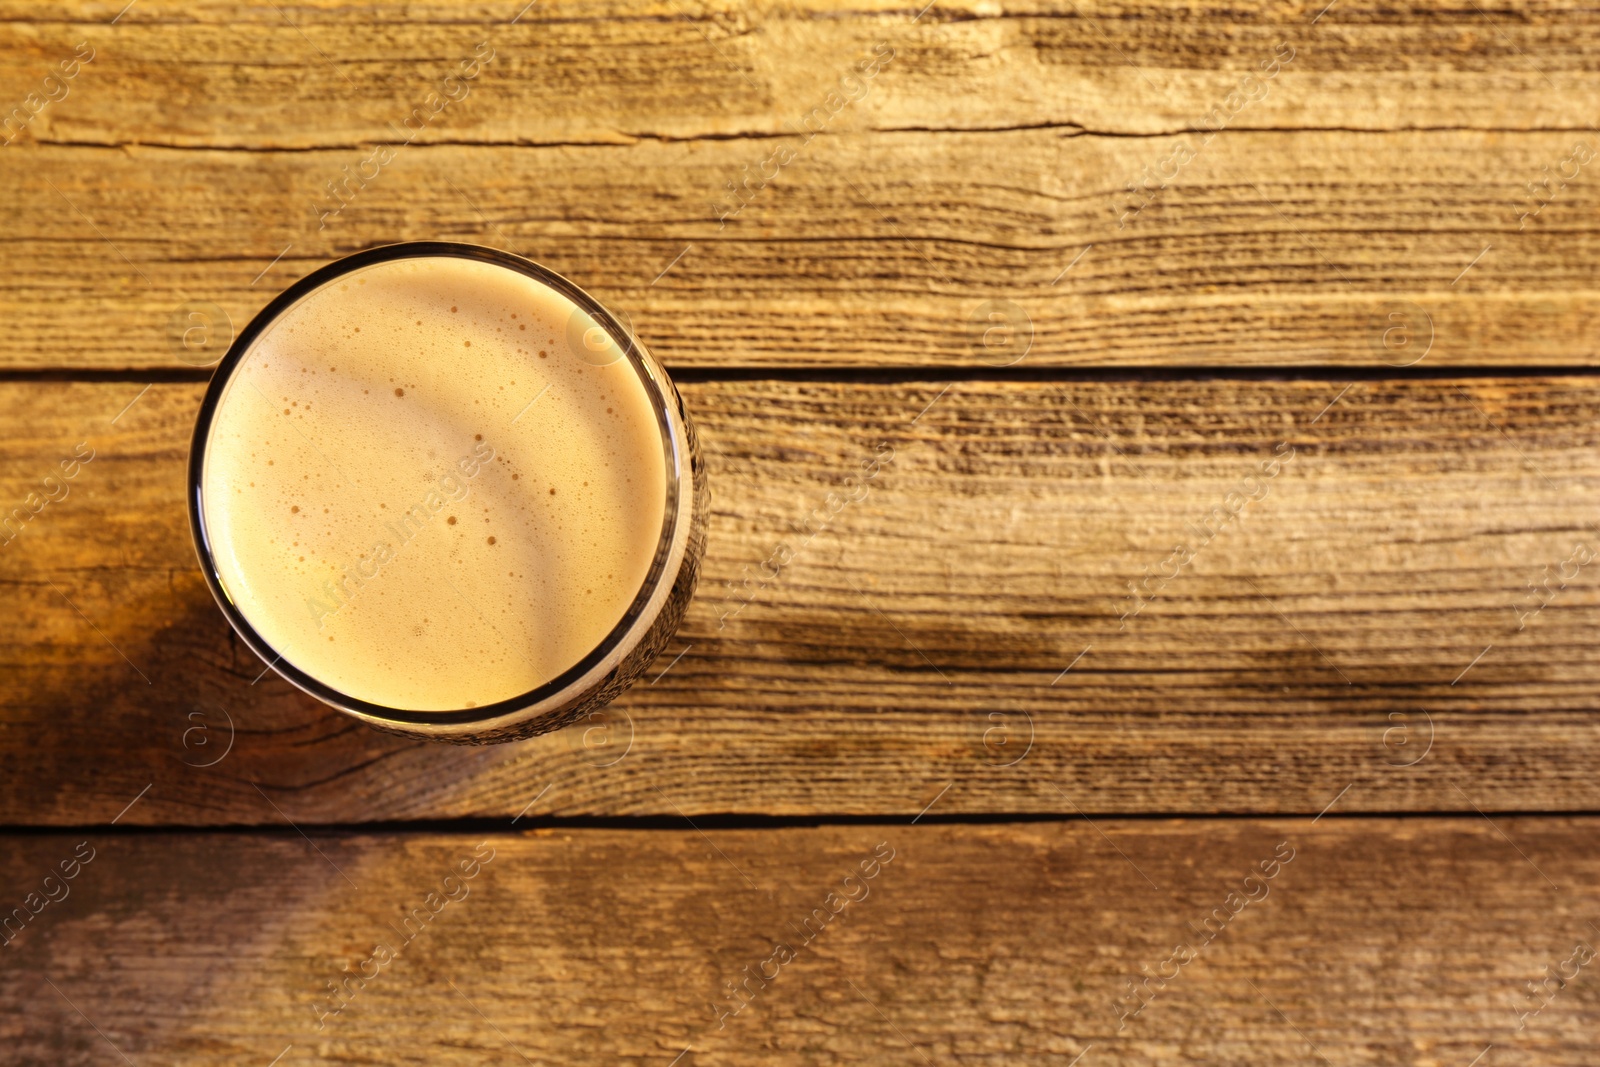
(656, 609)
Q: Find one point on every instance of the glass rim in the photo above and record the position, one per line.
(650, 374)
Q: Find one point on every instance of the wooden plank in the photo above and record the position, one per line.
(1367, 622)
(321, 73)
(1373, 941)
(189, 163)
(889, 249)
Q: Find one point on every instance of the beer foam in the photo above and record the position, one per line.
(427, 490)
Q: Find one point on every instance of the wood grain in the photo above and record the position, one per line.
(1366, 622)
(1367, 589)
(1382, 172)
(317, 73)
(1379, 941)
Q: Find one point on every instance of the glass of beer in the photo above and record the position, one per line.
(442, 489)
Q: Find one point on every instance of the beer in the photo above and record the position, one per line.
(441, 488)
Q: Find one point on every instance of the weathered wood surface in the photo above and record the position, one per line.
(319, 72)
(1383, 171)
(1401, 617)
(1366, 622)
(1380, 941)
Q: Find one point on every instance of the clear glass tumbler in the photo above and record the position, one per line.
(260, 555)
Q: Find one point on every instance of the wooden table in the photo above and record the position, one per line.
(1206, 676)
